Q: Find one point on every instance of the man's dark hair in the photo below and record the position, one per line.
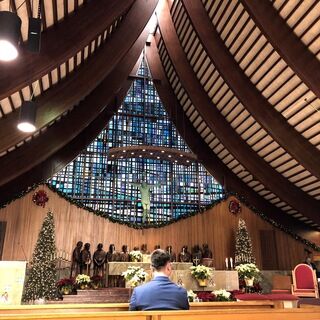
(159, 258)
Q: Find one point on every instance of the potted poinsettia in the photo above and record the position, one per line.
(248, 272)
(96, 281)
(66, 285)
(83, 281)
(134, 275)
(191, 295)
(222, 295)
(135, 256)
(201, 273)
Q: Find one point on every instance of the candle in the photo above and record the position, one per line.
(226, 263)
(231, 263)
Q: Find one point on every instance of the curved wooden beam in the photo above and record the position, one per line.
(284, 40)
(271, 120)
(60, 159)
(36, 151)
(60, 43)
(66, 94)
(268, 176)
(205, 155)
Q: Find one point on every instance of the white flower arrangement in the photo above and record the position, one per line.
(247, 270)
(134, 275)
(191, 295)
(135, 255)
(201, 272)
(83, 279)
(222, 295)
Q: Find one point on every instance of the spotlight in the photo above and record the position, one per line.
(10, 25)
(27, 117)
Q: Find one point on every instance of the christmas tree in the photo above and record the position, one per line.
(243, 252)
(41, 282)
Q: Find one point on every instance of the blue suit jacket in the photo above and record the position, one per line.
(159, 294)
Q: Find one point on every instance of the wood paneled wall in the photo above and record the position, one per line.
(216, 227)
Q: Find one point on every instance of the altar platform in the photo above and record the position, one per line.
(221, 279)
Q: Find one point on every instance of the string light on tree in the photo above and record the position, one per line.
(41, 283)
(243, 252)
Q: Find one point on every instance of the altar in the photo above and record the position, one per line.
(116, 268)
(220, 279)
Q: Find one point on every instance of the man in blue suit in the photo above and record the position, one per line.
(160, 293)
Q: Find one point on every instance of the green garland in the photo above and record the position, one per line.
(166, 223)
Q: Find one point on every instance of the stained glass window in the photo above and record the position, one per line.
(107, 181)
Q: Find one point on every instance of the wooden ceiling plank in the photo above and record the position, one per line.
(28, 156)
(223, 13)
(287, 44)
(205, 155)
(236, 146)
(55, 11)
(234, 25)
(277, 126)
(229, 18)
(69, 92)
(60, 43)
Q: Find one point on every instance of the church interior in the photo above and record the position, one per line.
(190, 126)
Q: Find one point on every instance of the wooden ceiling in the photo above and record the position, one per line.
(243, 76)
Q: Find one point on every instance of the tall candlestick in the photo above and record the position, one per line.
(226, 263)
(231, 263)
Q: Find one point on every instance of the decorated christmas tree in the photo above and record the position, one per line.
(243, 252)
(42, 275)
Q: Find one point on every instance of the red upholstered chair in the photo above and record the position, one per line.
(304, 282)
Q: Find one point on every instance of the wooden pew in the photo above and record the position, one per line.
(217, 314)
(103, 307)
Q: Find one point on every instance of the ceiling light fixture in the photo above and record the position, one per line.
(27, 117)
(10, 25)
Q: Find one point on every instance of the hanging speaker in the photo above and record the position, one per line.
(34, 35)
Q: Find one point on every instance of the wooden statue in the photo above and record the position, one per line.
(206, 252)
(207, 257)
(124, 255)
(144, 249)
(76, 260)
(184, 255)
(113, 255)
(99, 258)
(85, 260)
(172, 255)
